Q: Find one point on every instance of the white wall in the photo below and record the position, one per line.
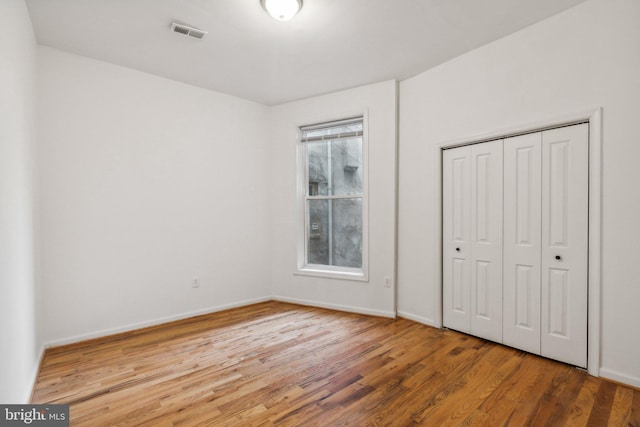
(146, 184)
(19, 349)
(379, 102)
(584, 58)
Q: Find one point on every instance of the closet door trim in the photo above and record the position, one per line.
(594, 118)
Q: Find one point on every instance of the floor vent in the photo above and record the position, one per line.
(188, 30)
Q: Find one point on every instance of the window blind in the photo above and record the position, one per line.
(343, 129)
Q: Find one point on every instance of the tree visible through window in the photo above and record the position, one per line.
(333, 203)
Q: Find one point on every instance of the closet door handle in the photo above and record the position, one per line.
(457, 249)
(558, 257)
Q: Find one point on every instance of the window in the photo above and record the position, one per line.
(333, 204)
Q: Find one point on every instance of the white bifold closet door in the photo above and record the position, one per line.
(565, 244)
(473, 239)
(515, 241)
(522, 247)
(546, 211)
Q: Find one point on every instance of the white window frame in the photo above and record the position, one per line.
(331, 271)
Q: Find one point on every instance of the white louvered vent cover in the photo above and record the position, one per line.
(188, 30)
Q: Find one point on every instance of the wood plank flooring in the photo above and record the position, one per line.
(287, 365)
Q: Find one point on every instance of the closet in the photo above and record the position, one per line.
(515, 241)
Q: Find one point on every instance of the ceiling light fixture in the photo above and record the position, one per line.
(282, 10)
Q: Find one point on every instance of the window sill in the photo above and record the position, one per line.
(346, 274)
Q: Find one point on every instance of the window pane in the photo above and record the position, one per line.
(346, 166)
(338, 174)
(334, 236)
(318, 168)
(317, 233)
(347, 233)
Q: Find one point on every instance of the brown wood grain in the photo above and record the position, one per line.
(286, 365)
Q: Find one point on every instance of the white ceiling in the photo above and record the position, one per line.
(331, 45)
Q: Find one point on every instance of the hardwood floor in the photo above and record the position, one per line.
(287, 365)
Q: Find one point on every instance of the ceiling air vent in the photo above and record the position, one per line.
(188, 30)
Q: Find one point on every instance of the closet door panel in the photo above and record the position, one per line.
(522, 242)
(486, 240)
(455, 237)
(565, 198)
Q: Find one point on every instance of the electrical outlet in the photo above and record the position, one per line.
(387, 281)
(195, 282)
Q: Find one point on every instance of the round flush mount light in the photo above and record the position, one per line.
(282, 10)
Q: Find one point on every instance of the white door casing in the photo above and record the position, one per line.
(593, 119)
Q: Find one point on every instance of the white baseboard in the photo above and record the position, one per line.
(34, 376)
(416, 318)
(158, 321)
(619, 377)
(337, 307)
